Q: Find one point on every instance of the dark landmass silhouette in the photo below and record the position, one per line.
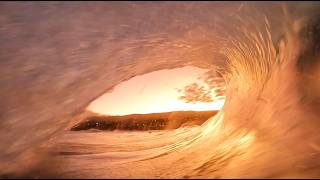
(143, 122)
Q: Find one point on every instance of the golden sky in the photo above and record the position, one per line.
(166, 90)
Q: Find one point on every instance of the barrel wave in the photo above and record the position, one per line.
(267, 128)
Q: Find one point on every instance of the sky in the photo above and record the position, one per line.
(159, 91)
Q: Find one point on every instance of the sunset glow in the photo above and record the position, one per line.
(156, 92)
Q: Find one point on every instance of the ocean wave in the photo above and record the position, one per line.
(267, 128)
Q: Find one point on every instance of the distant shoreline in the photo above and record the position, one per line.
(142, 122)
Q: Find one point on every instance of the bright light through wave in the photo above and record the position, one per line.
(155, 92)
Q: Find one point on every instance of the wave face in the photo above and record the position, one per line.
(268, 127)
